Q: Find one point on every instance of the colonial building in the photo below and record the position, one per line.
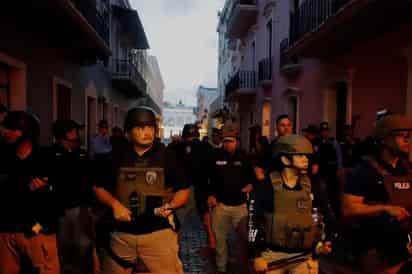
(174, 119)
(79, 59)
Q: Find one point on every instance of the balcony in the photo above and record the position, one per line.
(326, 28)
(242, 15)
(127, 78)
(288, 65)
(242, 83)
(265, 72)
(99, 20)
(132, 26)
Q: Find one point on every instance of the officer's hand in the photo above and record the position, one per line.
(247, 188)
(260, 265)
(398, 212)
(259, 173)
(211, 201)
(37, 183)
(121, 213)
(324, 248)
(163, 211)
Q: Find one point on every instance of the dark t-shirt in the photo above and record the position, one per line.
(230, 173)
(21, 208)
(70, 175)
(195, 158)
(156, 157)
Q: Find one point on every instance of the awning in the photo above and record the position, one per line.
(131, 24)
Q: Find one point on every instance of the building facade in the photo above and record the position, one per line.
(205, 97)
(174, 119)
(87, 70)
(333, 61)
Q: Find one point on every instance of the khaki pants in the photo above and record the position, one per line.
(40, 249)
(158, 251)
(225, 219)
(306, 267)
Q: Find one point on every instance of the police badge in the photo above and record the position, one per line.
(151, 177)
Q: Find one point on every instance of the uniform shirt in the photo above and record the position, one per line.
(21, 208)
(229, 174)
(101, 144)
(195, 158)
(156, 157)
(71, 175)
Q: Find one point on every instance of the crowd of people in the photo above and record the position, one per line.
(281, 206)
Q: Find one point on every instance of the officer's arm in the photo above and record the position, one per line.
(180, 199)
(105, 197)
(354, 206)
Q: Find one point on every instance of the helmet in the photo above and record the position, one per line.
(292, 144)
(139, 116)
(21, 120)
(190, 131)
(230, 131)
(388, 124)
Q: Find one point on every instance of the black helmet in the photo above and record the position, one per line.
(62, 126)
(190, 131)
(139, 116)
(21, 120)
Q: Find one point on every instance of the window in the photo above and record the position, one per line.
(63, 102)
(293, 111)
(5, 87)
(269, 30)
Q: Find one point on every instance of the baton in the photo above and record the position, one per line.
(287, 261)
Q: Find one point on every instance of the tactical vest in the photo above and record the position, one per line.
(398, 188)
(290, 225)
(142, 189)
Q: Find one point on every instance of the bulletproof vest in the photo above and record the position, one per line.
(393, 248)
(398, 188)
(291, 225)
(142, 189)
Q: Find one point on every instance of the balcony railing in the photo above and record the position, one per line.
(124, 70)
(241, 81)
(241, 15)
(287, 64)
(310, 15)
(99, 20)
(265, 70)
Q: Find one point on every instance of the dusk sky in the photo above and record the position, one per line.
(182, 34)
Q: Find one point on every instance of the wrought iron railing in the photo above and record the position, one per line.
(265, 69)
(310, 15)
(124, 69)
(235, 3)
(241, 80)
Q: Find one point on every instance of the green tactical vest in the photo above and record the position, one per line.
(146, 185)
(290, 225)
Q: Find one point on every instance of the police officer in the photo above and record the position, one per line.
(216, 141)
(284, 232)
(71, 177)
(195, 158)
(231, 180)
(327, 157)
(27, 202)
(142, 187)
(378, 193)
